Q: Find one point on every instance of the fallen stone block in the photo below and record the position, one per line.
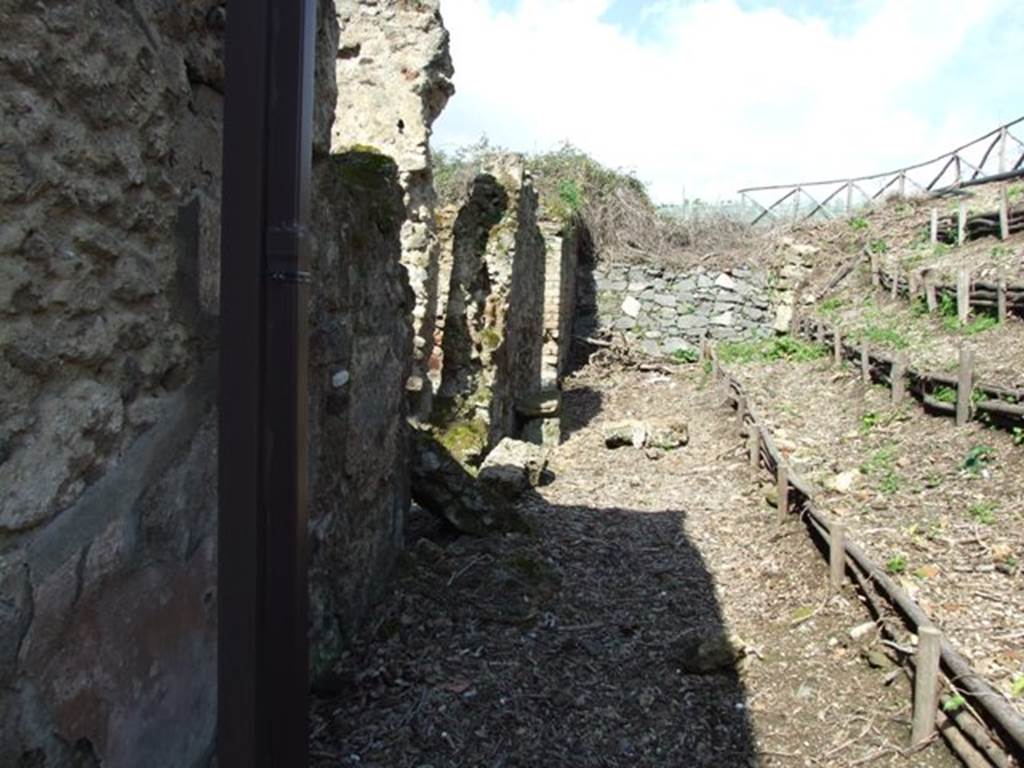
(514, 467)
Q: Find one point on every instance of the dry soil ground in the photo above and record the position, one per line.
(656, 616)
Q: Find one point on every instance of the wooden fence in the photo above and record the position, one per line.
(998, 155)
(990, 731)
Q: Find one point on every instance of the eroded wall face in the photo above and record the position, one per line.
(109, 242)
(360, 359)
(109, 280)
(488, 354)
(394, 75)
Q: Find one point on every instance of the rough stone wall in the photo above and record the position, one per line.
(662, 311)
(490, 336)
(109, 281)
(394, 75)
(360, 358)
(109, 187)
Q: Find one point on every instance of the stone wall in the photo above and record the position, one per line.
(489, 339)
(394, 76)
(109, 188)
(662, 311)
(360, 358)
(109, 282)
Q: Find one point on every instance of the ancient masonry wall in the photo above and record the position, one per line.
(662, 311)
(394, 73)
(109, 283)
(489, 338)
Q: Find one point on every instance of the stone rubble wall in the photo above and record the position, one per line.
(394, 76)
(662, 311)
(109, 282)
(489, 338)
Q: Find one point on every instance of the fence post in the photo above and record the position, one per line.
(865, 364)
(1004, 214)
(935, 226)
(926, 684)
(913, 278)
(876, 271)
(894, 289)
(796, 204)
(1001, 298)
(963, 295)
(849, 196)
(754, 446)
(783, 491)
(1002, 149)
(898, 376)
(837, 345)
(819, 334)
(964, 387)
(837, 555)
(741, 409)
(929, 291)
(961, 222)
(903, 184)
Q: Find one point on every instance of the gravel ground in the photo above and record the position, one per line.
(656, 616)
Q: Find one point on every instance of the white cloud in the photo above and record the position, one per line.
(720, 97)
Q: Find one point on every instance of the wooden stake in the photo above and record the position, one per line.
(963, 295)
(894, 289)
(913, 283)
(876, 271)
(754, 446)
(898, 376)
(837, 345)
(783, 479)
(741, 409)
(1004, 214)
(964, 387)
(819, 333)
(961, 222)
(837, 555)
(926, 684)
(865, 364)
(935, 226)
(930, 295)
(1001, 298)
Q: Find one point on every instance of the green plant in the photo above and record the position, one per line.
(869, 421)
(831, 305)
(919, 307)
(1017, 687)
(980, 324)
(896, 564)
(878, 246)
(954, 704)
(1018, 435)
(882, 464)
(945, 394)
(885, 336)
(858, 223)
(685, 355)
(941, 249)
(1014, 192)
(977, 459)
(983, 512)
(768, 350)
(571, 195)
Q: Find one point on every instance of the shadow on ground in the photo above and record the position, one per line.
(594, 641)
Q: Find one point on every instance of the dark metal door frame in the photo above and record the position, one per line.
(263, 649)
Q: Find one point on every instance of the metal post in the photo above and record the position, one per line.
(262, 530)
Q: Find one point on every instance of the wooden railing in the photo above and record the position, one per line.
(996, 156)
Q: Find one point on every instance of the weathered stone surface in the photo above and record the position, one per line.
(631, 307)
(668, 434)
(622, 434)
(514, 467)
(442, 485)
(394, 79)
(360, 358)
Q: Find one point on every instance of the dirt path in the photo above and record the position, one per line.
(605, 638)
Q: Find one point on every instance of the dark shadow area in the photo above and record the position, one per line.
(580, 406)
(470, 285)
(595, 641)
(585, 320)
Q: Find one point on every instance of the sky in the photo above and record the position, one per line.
(703, 97)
